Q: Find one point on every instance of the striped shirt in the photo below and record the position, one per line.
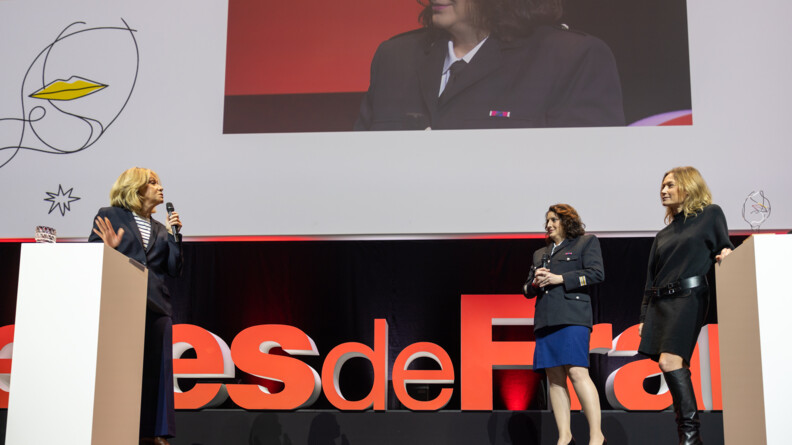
(144, 226)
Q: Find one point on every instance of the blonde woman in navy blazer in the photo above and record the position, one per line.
(560, 280)
(136, 193)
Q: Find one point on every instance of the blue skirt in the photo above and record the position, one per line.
(561, 345)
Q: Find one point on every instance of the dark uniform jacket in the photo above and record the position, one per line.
(163, 255)
(579, 262)
(554, 78)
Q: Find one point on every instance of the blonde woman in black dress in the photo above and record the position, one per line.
(676, 296)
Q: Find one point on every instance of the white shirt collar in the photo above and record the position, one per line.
(451, 57)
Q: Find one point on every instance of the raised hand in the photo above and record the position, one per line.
(104, 229)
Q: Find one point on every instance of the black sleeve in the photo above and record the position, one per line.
(720, 231)
(175, 255)
(593, 95)
(649, 280)
(528, 288)
(593, 271)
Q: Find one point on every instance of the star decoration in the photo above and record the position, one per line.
(61, 200)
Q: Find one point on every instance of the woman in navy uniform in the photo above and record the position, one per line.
(560, 279)
(491, 64)
(676, 297)
(128, 227)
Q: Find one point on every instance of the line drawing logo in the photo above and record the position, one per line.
(74, 89)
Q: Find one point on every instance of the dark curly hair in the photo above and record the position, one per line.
(505, 19)
(570, 220)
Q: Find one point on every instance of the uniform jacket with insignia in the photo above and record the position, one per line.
(579, 262)
(552, 78)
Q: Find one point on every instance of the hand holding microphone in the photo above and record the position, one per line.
(543, 276)
(543, 265)
(173, 218)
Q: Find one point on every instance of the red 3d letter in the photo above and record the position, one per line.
(378, 356)
(403, 376)
(250, 351)
(212, 360)
(480, 354)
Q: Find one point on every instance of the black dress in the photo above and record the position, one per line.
(685, 248)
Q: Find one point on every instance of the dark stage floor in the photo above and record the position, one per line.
(325, 427)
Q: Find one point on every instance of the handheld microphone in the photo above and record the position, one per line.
(170, 209)
(545, 264)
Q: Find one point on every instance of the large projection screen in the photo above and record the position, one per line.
(163, 66)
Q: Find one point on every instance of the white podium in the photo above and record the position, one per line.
(77, 356)
(754, 318)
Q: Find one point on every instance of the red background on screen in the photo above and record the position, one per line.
(313, 46)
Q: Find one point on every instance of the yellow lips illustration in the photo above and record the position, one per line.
(74, 88)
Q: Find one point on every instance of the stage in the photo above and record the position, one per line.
(334, 291)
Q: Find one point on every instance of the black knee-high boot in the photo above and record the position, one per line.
(687, 418)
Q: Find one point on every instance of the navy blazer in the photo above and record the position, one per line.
(553, 78)
(579, 262)
(162, 257)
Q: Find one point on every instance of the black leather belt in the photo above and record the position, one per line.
(676, 287)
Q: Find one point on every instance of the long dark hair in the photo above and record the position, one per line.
(505, 19)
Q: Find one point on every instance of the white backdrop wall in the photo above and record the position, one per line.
(441, 182)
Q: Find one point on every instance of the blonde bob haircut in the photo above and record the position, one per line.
(695, 191)
(126, 190)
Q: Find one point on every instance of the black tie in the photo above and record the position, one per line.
(453, 72)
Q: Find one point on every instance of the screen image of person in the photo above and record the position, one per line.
(491, 64)
(560, 279)
(128, 227)
(676, 297)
